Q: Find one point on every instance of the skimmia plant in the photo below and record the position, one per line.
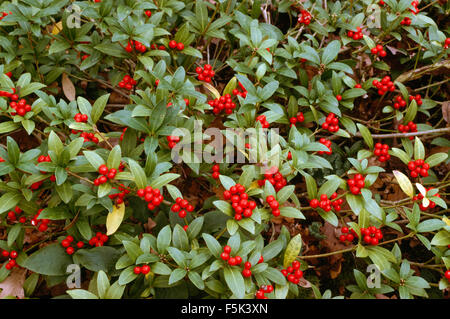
(130, 166)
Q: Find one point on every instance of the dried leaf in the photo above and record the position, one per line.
(446, 111)
(68, 88)
(13, 284)
(114, 219)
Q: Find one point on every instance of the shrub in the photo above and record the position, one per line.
(224, 149)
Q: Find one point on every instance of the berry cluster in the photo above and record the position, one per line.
(106, 174)
(215, 171)
(420, 197)
(80, 118)
(293, 272)
(144, 269)
(120, 196)
(21, 107)
(384, 85)
(239, 201)
(381, 151)
(12, 255)
(331, 123)
(13, 96)
(205, 74)
(418, 167)
(127, 83)
(298, 118)
(41, 224)
(180, 206)
(274, 205)
(355, 35)
(327, 143)
(247, 272)
(415, 4)
(224, 103)
(98, 240)
(232, 261)
(410, 127)
(304, 17)
(274, 177)
(174, 45)
(153, 197)
(399, 102)
(12, 217)
(88, 137)
(155, 47)
(356, 184)
(137, 45)
(242, 93)
(173, 140)
(347, 235)
(406, 21)
(264, 289)
(325, 203)
(262, 119)
(371, 235)
(68, 241)
(378, 50)
(418, 99)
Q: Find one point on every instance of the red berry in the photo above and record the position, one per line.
(70, 250)
(103, 169)
(137, 270)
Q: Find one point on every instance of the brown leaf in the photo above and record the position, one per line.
(68, 87)
(446, 111)
(13, 284)
(304, 283)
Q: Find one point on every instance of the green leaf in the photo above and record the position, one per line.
(367, 136)
(52, 260)
(8, 201)
(94, 159)
(102, 284)
(81, 294)
(164, 238)
(98, 107)
(138, 173)
(419, 149)
(331, 51)
(101, 258)
(291, 212)
(442, 238)
(235, 281)
(177, 275)
(436, 159)
(213, 245)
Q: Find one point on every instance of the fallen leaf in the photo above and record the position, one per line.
(13, 284)
(68, 88)
(446, 111)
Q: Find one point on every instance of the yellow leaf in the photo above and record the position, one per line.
(292, 250)
(212, 90)
(253, 185)
(446, 220)
(405, 183)
(423, 191)
(57, 28)
(114, 219)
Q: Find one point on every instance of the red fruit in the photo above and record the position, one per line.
(5, 253)
(103, 169)
(172, 44)
(232, 261)
(145, 269)
(180, 47)
(148, 13)
(80, 244)
(70, 250)
(65, 243)
(247, 265)
(447, 274)
(227, 249)
(238, 260)
(247, 273)
(137, 270)
(224, 256)
(13, 254)
(270, 199)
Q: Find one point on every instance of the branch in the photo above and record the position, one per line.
(439, 130)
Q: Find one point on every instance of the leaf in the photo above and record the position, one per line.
(367, 136)
(8, 201)
(235, 281)
(68, 88)
(331, 51)
(13, 285)
(292, 250)
(291, 212)
(102, 284)
(213, 245)
(81, 294)
(164, 238)
(101, 258)
(436, 159)
(404, 182)
(52, 260)
(114, 219)
(98, 107)
(138, 173)
(419, 149)
(442, 238)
